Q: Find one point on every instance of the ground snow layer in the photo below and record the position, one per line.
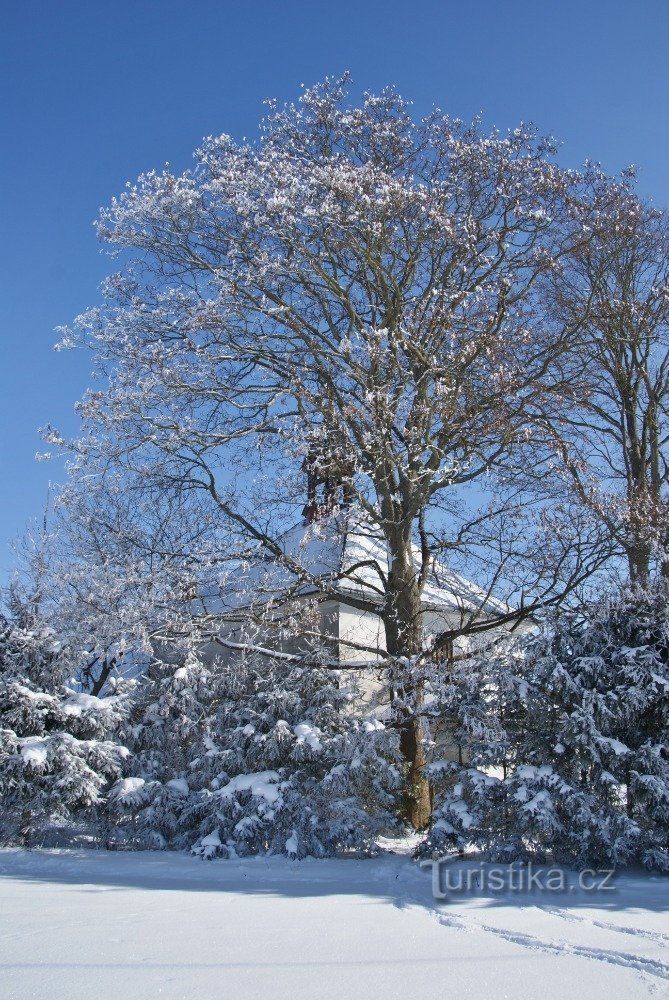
(76, 925)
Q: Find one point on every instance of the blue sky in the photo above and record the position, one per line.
(94, 93)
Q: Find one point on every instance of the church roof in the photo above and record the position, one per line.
(348, 556)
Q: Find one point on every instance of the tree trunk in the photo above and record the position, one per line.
(638, 558)
(403, 626)
(417, 801)
(25, 829)
(629, 798)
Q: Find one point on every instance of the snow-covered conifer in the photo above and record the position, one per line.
(608, 682)
(482, 719)
(295, 769)
(568, 734)
(255, 753)
(57, 751)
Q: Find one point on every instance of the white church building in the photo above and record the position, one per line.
(322, 595)
(344, 561)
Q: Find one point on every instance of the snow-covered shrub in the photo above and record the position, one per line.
(567, 740)
(299, 773)
(292, 769)
(481, 713)
(254, 755)
(174, 707)
(608, 680)
(57, 746)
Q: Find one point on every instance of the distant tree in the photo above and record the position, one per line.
(613, 439)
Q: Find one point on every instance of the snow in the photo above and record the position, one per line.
(530, 772)
(212, 840)
(77, 702)
(178, 785)
(36, 696)
(129, 791)
(128, 786)
(292, 844)
(459, 807)
(264, 784)
(306, 733)
(538, 803)
(151, 924)
(373, 725)
(34, 750)
(618, 748)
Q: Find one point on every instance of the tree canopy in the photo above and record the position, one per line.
(432, 316)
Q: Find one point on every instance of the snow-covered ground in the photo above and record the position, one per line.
(82, 924)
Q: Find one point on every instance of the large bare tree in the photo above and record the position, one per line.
(353, 278)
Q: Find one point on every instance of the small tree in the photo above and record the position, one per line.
(609, 678)
(57, 748)
(484, 719)
(176, 708)
(581, 762)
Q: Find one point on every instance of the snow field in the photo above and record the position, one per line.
(76, 924)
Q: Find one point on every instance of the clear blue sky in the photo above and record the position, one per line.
(94, 93)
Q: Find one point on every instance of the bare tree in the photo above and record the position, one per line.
(355, 283)
(613, 439)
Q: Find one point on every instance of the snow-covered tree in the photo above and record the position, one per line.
(57, 747)
(609, 681)
(175, 708)
(576, 728)
(358, 279)
(612, 442)
(253, 755)
(483, 718)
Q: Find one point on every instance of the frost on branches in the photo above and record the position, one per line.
(57, 748)
(255, 756)
(401, 307)
(357, 276)
(568, 741)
